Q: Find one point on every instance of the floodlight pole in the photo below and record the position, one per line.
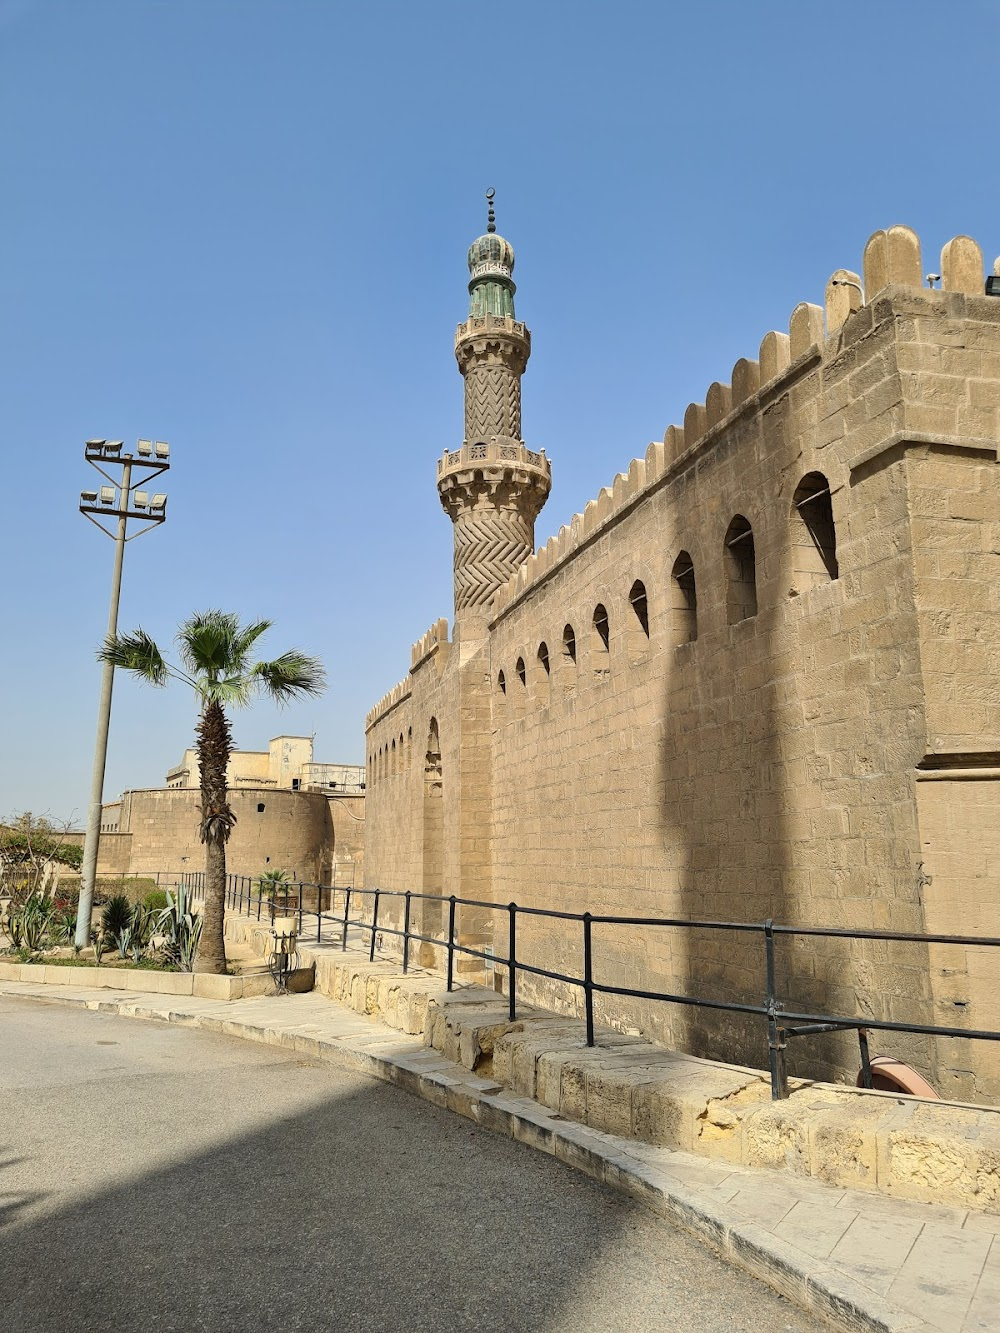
(88, 872)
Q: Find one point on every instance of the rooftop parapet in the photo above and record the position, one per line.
(388, 701)
(430, 642)
(891, 258)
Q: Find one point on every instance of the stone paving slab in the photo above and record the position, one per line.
(860, 1261)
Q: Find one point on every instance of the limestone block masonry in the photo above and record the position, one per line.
(756, 677)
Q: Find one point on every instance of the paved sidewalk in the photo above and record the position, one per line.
(861, 1261)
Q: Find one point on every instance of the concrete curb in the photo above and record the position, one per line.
(814, 1285)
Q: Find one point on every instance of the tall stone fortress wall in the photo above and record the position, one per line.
(756, 678)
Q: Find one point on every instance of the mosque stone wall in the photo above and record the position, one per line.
(778, 696)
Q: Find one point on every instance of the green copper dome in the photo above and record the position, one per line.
(491, 254)
(491, 288)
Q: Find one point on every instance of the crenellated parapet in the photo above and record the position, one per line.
(433, 642)
(892, 259)
(387, 703)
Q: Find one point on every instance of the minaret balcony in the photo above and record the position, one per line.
(498, 452)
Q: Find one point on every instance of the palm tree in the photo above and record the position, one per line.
(215, 653)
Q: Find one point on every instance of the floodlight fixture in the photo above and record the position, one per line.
(88, 497)
(993, 285)
(158, 503)
(144, 448)
(113, 446)
(107, 495)
(162, 449)
(140, 499)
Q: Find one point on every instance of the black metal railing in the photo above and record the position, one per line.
(243, 895)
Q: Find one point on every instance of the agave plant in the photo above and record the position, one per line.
(28, 925)
(181, 926)
(116, 916)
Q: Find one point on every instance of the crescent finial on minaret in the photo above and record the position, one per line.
(491, 221)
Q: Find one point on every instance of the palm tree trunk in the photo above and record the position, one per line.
(217, 819)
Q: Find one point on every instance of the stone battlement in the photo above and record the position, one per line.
(892, 258)
(388, 701)
(434, 639)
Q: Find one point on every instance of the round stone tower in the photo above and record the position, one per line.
(493, 487)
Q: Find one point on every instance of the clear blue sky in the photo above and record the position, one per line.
(241, 225)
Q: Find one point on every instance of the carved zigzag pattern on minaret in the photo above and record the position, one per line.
(488, 549)
(492, 403)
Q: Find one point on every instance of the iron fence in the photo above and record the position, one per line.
(333, 921)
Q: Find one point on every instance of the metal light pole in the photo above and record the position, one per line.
(124, 500)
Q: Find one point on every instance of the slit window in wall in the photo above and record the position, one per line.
(814, 541)
(741, 571)
(567, 664)
(638, 636)
(502, 682)
(600, 640)
(522, 674)
(260, 807)
(684, 601)
(544, 673)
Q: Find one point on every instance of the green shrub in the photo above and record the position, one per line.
(155, 900)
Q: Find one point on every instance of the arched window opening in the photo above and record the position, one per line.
(602, 629)
(392, 758)
(544, 674)
(567, 661)
(640, 605)
(638, 633)
(814, 545)
(502, 682)
(522, 674)
(741, 571)
(684, 601)
(600, 641)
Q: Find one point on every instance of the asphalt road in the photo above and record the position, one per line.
(154, 1177)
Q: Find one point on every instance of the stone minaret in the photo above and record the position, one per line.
(493, 487)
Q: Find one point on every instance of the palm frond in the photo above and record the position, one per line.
(232, 691)
(245, 639)
(206, 641)
(135, 652)
(290, 675)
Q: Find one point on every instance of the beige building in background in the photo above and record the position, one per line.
(758, 677)
(287, 762)
(292, 814)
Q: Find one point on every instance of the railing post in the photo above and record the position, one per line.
(775, 1033)
(300, 909)
(319, 914)
(451, 942)
(347, 912)
(866, 1061)
(371, 951)
(406, 933)
(512, 962)
(259, 898)
(588, 976)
